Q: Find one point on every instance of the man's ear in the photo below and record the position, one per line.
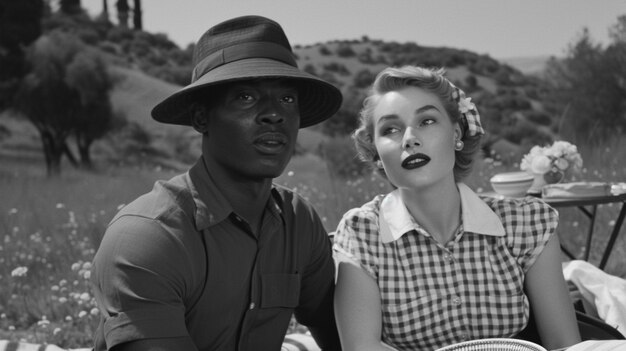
(200, 119)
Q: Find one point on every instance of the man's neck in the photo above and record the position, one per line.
(247, 196)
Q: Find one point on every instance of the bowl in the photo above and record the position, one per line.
(512, 184)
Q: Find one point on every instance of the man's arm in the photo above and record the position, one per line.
(164, 344)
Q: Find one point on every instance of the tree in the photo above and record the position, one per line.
(122, 13)
(65, 94)
(137, 16)
(20, 25)
(87, 75)
(586, 90)
(70, 7)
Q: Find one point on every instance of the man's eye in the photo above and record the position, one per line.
(289, 99)
(245, 97)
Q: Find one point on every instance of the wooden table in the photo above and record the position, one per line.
(589, 206)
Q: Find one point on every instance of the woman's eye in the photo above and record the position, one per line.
(389, 130)
(428, 121)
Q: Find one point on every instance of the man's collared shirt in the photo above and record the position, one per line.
(179, 262)
(435, 294)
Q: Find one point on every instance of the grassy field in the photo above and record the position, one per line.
(50, 229)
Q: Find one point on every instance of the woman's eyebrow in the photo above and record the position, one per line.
(426, 108)
(386, 118)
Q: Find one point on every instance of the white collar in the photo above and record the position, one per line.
(395, 220)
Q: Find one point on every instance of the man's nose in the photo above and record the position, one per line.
(271, 114)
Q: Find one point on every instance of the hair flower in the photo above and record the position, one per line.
(466, 105)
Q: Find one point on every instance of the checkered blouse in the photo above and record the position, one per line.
(471, 287)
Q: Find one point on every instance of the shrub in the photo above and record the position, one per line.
(341, 157)
(324, 50)
(345, 51)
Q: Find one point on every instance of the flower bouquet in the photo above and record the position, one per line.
(551, 164)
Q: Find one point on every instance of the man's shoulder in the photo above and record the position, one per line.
(166, 199)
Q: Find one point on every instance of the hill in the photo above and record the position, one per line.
(530, 65)
(147, 67)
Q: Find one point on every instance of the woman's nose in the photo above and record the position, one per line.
(410, 139)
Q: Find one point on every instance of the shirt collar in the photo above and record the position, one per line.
(395, 220)
(211, 205)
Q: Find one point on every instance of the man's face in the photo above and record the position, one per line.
(252, 130)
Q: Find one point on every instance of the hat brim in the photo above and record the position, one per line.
(318, 99)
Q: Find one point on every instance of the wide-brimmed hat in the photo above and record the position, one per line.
(244, 48)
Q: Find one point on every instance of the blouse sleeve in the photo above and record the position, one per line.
(529, 226)
(357, 237)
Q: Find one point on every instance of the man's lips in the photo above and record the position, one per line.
(271, 142)
(415, 161)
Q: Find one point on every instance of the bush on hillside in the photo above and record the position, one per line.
(341, 157)
(345, 50)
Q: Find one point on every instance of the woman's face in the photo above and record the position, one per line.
(414, 138)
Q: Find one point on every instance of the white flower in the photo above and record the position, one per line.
(19, 271)
(466, 104)
(540, 165)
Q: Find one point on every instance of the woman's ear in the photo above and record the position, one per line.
(200, 119)
(458, 132)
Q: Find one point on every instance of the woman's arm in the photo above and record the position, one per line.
(357, 308)
(549, 299)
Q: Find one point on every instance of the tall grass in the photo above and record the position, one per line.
(50, 229)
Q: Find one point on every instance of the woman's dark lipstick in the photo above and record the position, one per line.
(415, 161)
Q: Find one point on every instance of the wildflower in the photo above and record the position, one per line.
(19, 271)
(60, 205)
(56, 331)
(290, 174)
(62, 299)
(12, 211)
(85, 296)
(11, 328)
(94, 311)
(75, 266)
(82, 314)
(54, 288)
(68, 318)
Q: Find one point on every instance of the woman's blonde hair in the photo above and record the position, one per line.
(431, 80)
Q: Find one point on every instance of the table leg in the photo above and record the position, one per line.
(614, 234)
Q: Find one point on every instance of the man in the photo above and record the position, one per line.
(219, 258)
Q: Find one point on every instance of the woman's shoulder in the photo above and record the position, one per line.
(367, 211)
(517, 205)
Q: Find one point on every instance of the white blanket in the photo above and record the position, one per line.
(604, 291)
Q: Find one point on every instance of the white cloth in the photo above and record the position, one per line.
(599, 345)
(606, 292)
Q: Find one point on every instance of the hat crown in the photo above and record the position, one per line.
(237, 31)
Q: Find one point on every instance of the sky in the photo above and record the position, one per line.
(499, 28)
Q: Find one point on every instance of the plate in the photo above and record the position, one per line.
(497, 344)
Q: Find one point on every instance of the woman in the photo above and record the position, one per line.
(431, 264)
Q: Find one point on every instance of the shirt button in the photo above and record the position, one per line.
(464, 337)
(252, 305)
(448, 257)
(457, 300)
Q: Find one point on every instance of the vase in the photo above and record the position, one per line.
(543, 179)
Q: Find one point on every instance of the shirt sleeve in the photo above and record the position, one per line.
(139, 292)
(531, 224)
(357, 237)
